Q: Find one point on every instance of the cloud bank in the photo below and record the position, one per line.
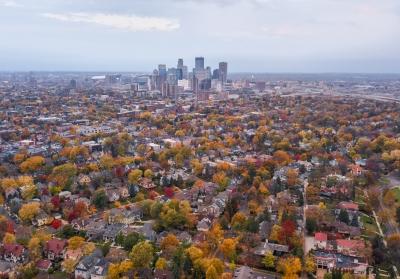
(125, 22)
(10, 4)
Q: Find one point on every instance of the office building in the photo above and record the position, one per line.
(199, 63)
(223, 71)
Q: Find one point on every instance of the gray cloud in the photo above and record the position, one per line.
(125, 22)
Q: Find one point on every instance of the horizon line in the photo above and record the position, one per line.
(232, 73)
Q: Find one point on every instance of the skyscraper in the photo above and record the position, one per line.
(162, 70)
(215, 74)
(180, 63)
(223, 71)
(162, 75)
(185, 74)
(179, 69)
(199, 63)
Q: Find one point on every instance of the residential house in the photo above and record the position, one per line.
(80, 223)
(116, 255)
(55, 248)
(11, 193)
(125, 215)
(266, 247)
(93, 266)
(112, 194)
(147, 183)
(356, 170)
(42, 219)
(147, 231)
(184, 237)
(84, 179)
(350, 247)
(330, 260)
(14, 253)
(111, 232)
(320, 240)
(74, 255)
(204, 225)
(95, 229)
(43, 265)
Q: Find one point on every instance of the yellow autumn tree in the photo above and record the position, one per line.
(34, 246)
(238, 220)
(309, 264)
(28, 211)
(161, 264)
(289, 266)
(68, 265)
(8, 238)
(169, 243)
(76, 242)
(194, 253)
(134, 176)
(8, 182)
(228, 247)
(32, 164)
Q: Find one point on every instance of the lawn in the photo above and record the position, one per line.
(396, 192)
(370, 227)
(360, 198)
(384, 181)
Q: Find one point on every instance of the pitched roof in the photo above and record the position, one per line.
(350, 243)
(348, 205)
(14, 249)
(56, 245)
(43, 264)
(320, 236)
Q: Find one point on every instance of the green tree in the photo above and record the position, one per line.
(344, 216)
(398, 215)
(131, 240)
(311, 225)
(100, 199)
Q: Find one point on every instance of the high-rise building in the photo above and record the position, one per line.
(179, 69)
(172, 76)
(180, 63)
(223, 71)
(215, 74)
(208, 70)
(199, 63)
(185, 73)
(72, 84)
(162, 70)
(162, 75)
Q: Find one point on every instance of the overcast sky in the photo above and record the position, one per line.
(252, 35)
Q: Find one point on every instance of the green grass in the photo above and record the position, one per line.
(384, 180)
(396, 192)
(370, 227)
(360, 198)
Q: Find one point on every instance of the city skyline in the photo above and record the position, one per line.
(290, 36)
